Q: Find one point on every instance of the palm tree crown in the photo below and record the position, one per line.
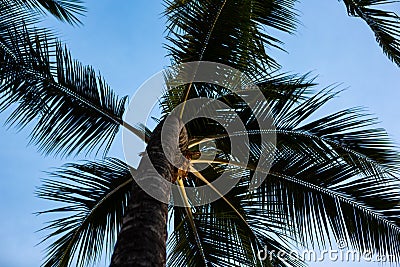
(333, 178)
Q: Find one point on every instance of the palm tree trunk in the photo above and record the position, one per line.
(142, 239)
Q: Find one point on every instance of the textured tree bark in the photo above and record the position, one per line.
(142, 239)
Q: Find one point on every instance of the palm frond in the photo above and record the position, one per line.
(93, 196)
(64, 10)
(13, 15)
(384, 24)
(330, 196)
(227, 32)
(73, 109)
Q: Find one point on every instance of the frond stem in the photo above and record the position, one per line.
(190, 217)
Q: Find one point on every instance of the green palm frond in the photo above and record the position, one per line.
(14, 16)
(71, 107)
(384, 24)
(227, 32)
(93, 196)
(351, 135)
(330, 196)
(64, 10)
(280, 88)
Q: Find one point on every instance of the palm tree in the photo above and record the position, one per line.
(332, 178)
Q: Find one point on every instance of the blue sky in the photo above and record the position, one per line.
(123, 39)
